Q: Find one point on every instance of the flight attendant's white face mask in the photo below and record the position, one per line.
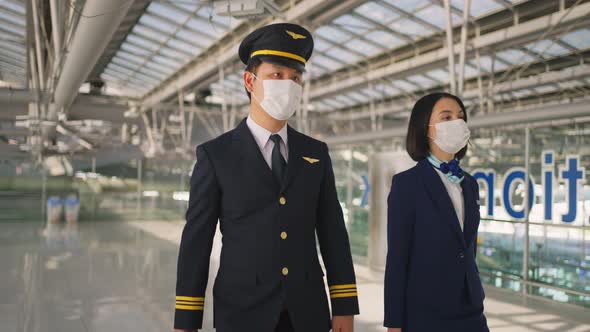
(452, 136)
(282, 98)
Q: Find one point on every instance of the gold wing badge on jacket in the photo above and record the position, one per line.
(311, 160)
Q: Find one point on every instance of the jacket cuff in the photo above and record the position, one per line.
(344, 300)
(392, 324)
(189, 312)
(393, 319)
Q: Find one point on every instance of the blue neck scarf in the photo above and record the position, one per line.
(451, 169)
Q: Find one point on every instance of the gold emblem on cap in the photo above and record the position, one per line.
(295, 35)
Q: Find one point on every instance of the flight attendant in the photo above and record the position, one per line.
(431, 278)
(272, 190)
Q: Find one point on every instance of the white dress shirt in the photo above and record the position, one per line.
(456, 194)
(262, 138)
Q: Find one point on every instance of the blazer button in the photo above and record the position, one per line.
(282, 200)
(285, 271)
(461, 255)
(284, 235)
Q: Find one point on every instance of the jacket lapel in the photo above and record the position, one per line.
(295, 157)
(471, 209)
(438, 193)
(251, 157)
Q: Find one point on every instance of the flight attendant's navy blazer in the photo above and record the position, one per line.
(431, 280)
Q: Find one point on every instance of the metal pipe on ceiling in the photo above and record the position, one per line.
(98, 22)
(56, 23)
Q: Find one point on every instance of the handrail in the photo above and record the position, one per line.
(534, 283)
(536, 223)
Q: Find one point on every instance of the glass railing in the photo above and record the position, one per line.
(559, 257)
(358, 230)
(112, 206)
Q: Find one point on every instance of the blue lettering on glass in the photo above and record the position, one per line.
(510, 178)
(365, 198)
(488, 177)
(571, 175)
(547, 182)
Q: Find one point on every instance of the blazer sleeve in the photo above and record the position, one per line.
(196, 243)
(400, 228)
(335, 246)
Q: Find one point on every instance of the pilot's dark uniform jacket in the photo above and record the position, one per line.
(269, 263)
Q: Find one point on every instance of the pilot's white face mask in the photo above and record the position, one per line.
(282, 98)
(452, 136)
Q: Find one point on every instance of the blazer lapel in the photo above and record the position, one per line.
(251, 157)
(471, 209)
(438, 193)
(295, 157)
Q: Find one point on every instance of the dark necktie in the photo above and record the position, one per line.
(279, 164)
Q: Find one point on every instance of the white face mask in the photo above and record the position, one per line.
(452, 136)
(282, 98)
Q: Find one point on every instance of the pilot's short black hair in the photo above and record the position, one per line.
(252, 67)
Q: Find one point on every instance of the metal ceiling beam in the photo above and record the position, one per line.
(92, 35)
(556, 111)
(11, 152)
(205, 67)
(66, 131)
(11, 110)
(12, 24)
(341, 46)
(146, 74)
(505, 38)
(343, 29)
(410, 16)
(505, 3)
(136, 58)
(160, 47)
(196, 16)
(335, 9)
(382, 27)
(7, 32)
(129, 64)
(11, 12)
(122, 76)
(156, 42)
(106, 156)
(8, 95)
(14, 102)
(14, 54)
(565, 75)
(185, 26)
(28, 45)
(14, 131)
(165, 34)
(16, 63)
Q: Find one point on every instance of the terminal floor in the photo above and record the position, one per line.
(111, 276)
